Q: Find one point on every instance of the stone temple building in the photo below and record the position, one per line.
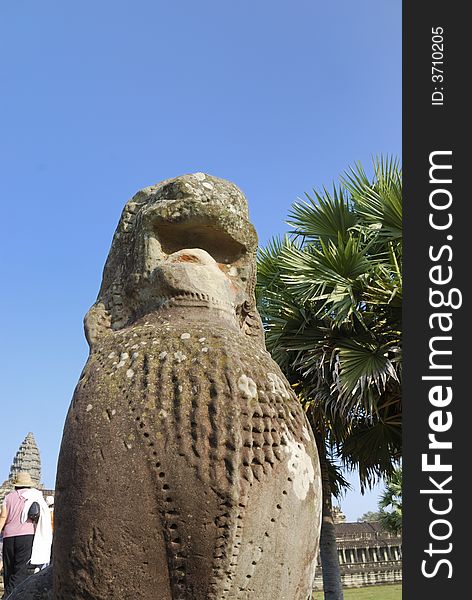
(367, 554)
(26, 459)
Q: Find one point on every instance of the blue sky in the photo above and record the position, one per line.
(100, 99)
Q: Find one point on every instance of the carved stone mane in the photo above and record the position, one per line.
(187, 469)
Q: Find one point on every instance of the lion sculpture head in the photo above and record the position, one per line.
(183, 242)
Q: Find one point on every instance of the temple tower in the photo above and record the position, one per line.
(26, 459)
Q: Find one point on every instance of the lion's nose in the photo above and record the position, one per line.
(192, 255)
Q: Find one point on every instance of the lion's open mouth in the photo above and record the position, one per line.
(217, 242)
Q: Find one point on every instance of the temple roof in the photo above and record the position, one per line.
(362, 531)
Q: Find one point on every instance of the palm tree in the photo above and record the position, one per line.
(284, 317)
(330, 298)
(390, 503)
(369, 517)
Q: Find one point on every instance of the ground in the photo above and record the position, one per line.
(381, 592)
(373, 592)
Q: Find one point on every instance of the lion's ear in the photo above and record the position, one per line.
(97, 324)
(251, 322)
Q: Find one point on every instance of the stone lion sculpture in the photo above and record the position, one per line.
(187, 469)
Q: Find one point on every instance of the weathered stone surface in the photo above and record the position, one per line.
(187, 468)
(36, 587)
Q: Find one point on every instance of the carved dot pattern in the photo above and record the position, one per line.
(169, 514)
(230, 441)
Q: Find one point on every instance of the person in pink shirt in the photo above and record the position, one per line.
(17, 535)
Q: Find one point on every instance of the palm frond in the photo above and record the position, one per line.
(378, 202)
(323, 217)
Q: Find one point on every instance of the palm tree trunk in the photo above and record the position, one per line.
(332, 585)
